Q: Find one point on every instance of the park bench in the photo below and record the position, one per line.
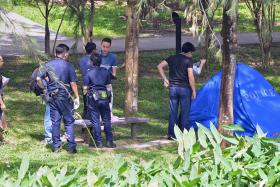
(132, 121)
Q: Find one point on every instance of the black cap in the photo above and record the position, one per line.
(90, 46)
(188, 47)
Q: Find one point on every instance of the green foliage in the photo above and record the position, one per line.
(253, 161)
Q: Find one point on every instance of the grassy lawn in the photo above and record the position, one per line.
(25, 115)
(108, 21)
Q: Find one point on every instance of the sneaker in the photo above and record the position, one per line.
(72, 151)
(171, 138)
(110, 144)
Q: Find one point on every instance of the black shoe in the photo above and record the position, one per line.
(98, 145)
(171, 138)
(72, 151)
(110, 144)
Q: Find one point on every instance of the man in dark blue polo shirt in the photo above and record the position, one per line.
(181, 85)
(60, 86)
(95, 86)
(109, 61)
(85, 65)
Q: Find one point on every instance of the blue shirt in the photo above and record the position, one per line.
(97, 78)
(60, 73)
(109, 61)
(85, 64)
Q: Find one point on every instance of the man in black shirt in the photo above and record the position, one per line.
(181, 85)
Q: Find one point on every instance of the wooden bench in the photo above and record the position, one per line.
(133, 121)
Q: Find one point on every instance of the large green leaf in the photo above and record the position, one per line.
(192, 137)
(275, 162)
(233, 127)
(231, 139)
(23, 167)
(202, 138)
(132, 179)
(70, 179)
(194, 171)
(187, 160)
(260, 132)
(215, 133)
(178, 133)
(208, 133)
(256, 149)
(177, 163)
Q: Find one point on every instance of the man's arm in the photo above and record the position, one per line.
(74, 89)
(160, 68)
(40, 83)
(85, 84)
(192, 82)
(114, 71)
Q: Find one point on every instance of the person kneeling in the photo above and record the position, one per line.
(95, 82)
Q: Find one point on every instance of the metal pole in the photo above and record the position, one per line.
(178, 22)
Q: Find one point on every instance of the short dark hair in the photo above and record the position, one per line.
(90, 46)
(107, 40)
(61, 48)
(188, 47)
(96, 60)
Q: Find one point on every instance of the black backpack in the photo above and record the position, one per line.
(33, 86)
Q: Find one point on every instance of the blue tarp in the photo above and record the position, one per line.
(255, 102)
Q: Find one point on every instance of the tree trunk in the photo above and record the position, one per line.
(91, 21)
(47, 30)
(131, 59)
(263, 14)
(58, 29)
(229, 34)
(206, 43)
(83, 24)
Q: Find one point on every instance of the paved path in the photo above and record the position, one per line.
(9, 45)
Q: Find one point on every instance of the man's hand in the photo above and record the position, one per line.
(166, 83)
(203, 61)
(85, 90)
(3, 107)
(193, 95)
(76, 103)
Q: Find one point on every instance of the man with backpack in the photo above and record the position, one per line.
(38, 91)
(60, 86)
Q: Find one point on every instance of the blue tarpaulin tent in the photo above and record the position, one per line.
(255, 102)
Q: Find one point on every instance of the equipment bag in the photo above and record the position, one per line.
(33, 86)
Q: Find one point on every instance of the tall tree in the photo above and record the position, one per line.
(263, 13)
(230, 47)
(83, 18)
(131, 58)
(48, 5)
(207, 39)
(91, 21)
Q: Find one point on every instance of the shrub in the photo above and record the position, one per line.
(247, 161)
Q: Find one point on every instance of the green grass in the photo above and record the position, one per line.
(25, 115)
(108, 21)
